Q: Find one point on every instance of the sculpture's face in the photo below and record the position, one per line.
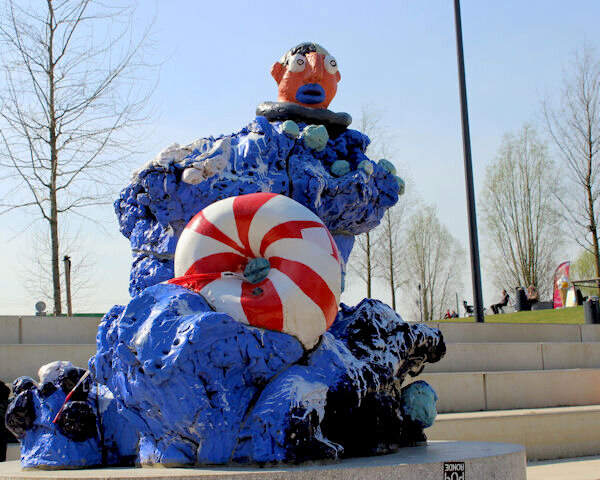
(309, 80)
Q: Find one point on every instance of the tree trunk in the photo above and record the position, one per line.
(590, 199)
(54, 244)
(55, 254)
(391, 266)
(369, 275)
(594, 231)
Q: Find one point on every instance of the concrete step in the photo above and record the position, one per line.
(547, 433)
(516, 332)
(577, 468)
(48, 330)
(18, 360)
(473, 391)
(495, 357)
(54, 330)
(13, 452)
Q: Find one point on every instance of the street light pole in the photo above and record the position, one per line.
(67, 261)
(420, 303)
(472, 215)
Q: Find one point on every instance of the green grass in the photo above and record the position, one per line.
(573, 315)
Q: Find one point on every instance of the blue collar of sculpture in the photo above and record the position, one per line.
(335, 122)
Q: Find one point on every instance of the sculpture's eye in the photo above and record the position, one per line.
(297, 63)
(330, 64)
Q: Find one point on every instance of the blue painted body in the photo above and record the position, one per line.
(181, 384)
(187, 372)
(155, 207)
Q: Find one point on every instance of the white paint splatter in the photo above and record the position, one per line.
(50, 371)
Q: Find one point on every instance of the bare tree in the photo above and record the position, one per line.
(574, 124)
(435, 260)
(363, 262)
(74, 93)
(518, 209)
(390, 253)
(370, 123)
(584, 268)
(37, 265)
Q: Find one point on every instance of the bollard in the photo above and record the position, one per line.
(521, 302)
(590, 310)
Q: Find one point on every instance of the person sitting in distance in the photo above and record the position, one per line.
(533, 295)
(505, 298)
(468, 308)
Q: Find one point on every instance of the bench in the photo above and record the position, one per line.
(542, 306)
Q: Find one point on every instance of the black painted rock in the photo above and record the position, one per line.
(20, 414)
(22, 384)
(77, 421)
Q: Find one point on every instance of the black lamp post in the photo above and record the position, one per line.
(67, 261)
(420, 303)
(472, 215)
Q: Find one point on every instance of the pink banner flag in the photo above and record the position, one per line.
(561, 283)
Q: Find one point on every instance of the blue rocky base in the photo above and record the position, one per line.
(184, 385)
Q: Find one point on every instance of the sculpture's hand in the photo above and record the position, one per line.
(390, 168)
(41, 404)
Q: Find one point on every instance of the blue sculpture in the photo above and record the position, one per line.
(175, 382)
(167, 192)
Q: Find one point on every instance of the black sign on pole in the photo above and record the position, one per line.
(472, 215)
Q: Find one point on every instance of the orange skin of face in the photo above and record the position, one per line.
(314, 72)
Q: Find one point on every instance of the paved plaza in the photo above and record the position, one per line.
(582, 468)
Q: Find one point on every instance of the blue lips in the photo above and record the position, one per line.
(310, 93)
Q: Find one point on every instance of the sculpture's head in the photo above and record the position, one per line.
(308, 75)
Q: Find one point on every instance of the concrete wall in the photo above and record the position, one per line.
(473, 391)
(516, 332)
(19, 360)
(547, 433)
(497, 357)
(13, 452)
(9, 329)
(48, 330)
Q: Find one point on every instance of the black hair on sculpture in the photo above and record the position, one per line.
(302, 48)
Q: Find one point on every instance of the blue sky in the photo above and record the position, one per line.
(396, 56)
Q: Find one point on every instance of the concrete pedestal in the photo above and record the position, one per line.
(461, 460)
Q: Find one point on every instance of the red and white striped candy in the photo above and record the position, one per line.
(301, 292)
